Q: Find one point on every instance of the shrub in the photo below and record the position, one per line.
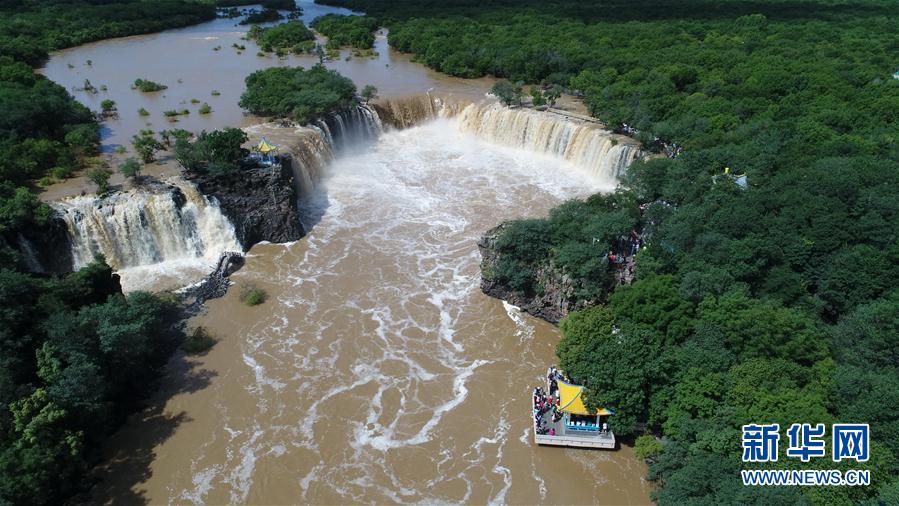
(252, 295)
(219, 153)
(204, 109)
(61, 172)
(130, 168)
(199, 341)
(143, 112)
(147, 86)
(100, 177)
(647, 447)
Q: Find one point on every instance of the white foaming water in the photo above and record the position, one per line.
(372, 350)
(147, 234)
(585, 145)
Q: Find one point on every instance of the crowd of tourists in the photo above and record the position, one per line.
(546, 404)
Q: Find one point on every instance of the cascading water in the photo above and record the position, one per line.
(598, 151)
(141, 227)
(354, 126)
(408, 111)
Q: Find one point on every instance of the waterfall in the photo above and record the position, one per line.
(584, 144)
(142, 227)
(407, 111)
(354, 126)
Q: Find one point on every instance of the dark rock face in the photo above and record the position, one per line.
(556, 299)
(47, 248)
(261, 203)
(215, 284)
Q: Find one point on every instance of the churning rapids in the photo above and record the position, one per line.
(377, 371)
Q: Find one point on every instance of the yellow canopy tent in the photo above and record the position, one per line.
(265, 146)
(570, 400)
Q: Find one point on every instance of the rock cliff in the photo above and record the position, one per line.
(261, 203)
(557, 294)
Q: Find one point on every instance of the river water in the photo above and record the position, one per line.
(186, 62)
(376, 371)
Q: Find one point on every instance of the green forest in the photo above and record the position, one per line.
(76, 356)
(343, 31)
(302, 95)
(773, 303)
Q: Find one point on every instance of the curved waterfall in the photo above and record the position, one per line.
(598, 151)
(140, 227)
(407, 111)
(353, 126)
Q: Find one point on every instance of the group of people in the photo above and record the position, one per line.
(543, 404)
(548, 402)
(671, 149)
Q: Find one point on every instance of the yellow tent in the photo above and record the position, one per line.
(265, 146)
(570, 400)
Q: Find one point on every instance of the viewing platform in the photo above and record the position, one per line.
(560, 417)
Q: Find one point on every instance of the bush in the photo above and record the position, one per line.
(204, 109)
(219, 153)
(199, 341)
(646, 447)
(143, 112)
(147, 86)
(100, 177)
(146, 145)
(130, 168)
(61, 172)
(252, 295)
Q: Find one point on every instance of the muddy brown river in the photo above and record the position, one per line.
(376, 371)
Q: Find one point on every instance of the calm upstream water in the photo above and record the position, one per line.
(186, 61)
(377, 371)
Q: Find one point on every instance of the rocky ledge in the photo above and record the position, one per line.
(555, 299)
(261, 203)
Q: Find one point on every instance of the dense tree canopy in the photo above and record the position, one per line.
(290, 35)
(342, 31)
(303, 95)
(76, 356)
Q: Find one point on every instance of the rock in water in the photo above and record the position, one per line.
(215, 284)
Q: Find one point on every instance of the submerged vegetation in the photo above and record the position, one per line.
(147, 86)
(252, 295)
(300, 94)
(199, 341)
(773, 302)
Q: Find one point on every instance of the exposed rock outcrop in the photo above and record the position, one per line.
(557, 294)
(214, 285)
(261, 203)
